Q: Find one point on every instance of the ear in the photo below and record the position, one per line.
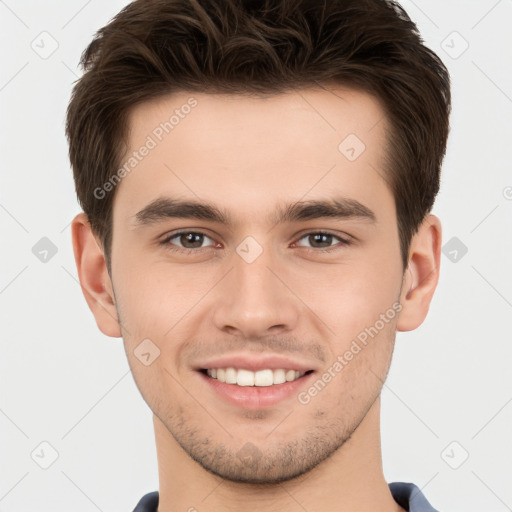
(422, 274)
(94, 278)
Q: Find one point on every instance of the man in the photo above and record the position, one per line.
(257, 179)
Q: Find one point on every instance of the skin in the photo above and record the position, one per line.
(247, 155)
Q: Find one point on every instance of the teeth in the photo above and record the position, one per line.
(280, 376)
(260, 378)
(231, 376)
(290, 375)
(244, 377)
(264, 378)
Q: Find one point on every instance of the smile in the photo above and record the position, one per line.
(260, 378)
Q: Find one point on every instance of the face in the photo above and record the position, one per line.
(267, 276)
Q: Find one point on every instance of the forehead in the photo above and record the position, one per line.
(313, 113)
(252, 151)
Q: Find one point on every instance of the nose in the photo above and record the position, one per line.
(255, 299)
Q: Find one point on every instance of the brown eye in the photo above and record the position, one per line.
(185, 241)
(321, 240)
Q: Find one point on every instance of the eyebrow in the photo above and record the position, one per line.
(341, 208)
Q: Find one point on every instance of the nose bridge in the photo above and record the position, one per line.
(254, 298)
(256, 285)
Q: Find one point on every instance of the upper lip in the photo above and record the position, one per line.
(254, 363)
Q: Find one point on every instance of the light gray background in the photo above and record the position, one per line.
(65, 383)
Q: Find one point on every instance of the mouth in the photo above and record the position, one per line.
(261, 378)
(258, 390)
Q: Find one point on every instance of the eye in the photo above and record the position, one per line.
(326, 238)
(192, 241)
(188, 241)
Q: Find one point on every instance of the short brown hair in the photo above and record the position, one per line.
(155, 47)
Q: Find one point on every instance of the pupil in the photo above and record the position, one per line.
(322, 235)
(190, 236)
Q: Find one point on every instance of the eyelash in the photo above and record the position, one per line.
(166, 242)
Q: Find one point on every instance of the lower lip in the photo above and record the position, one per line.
(256, 397)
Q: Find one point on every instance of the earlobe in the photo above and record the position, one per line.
(422, 274)
(93, 275)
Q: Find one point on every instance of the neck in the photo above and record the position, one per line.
(350, 480)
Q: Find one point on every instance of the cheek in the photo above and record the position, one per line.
(350, 297)
(160, 304)
(151, 380)
(151, 298)
(360, 363)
